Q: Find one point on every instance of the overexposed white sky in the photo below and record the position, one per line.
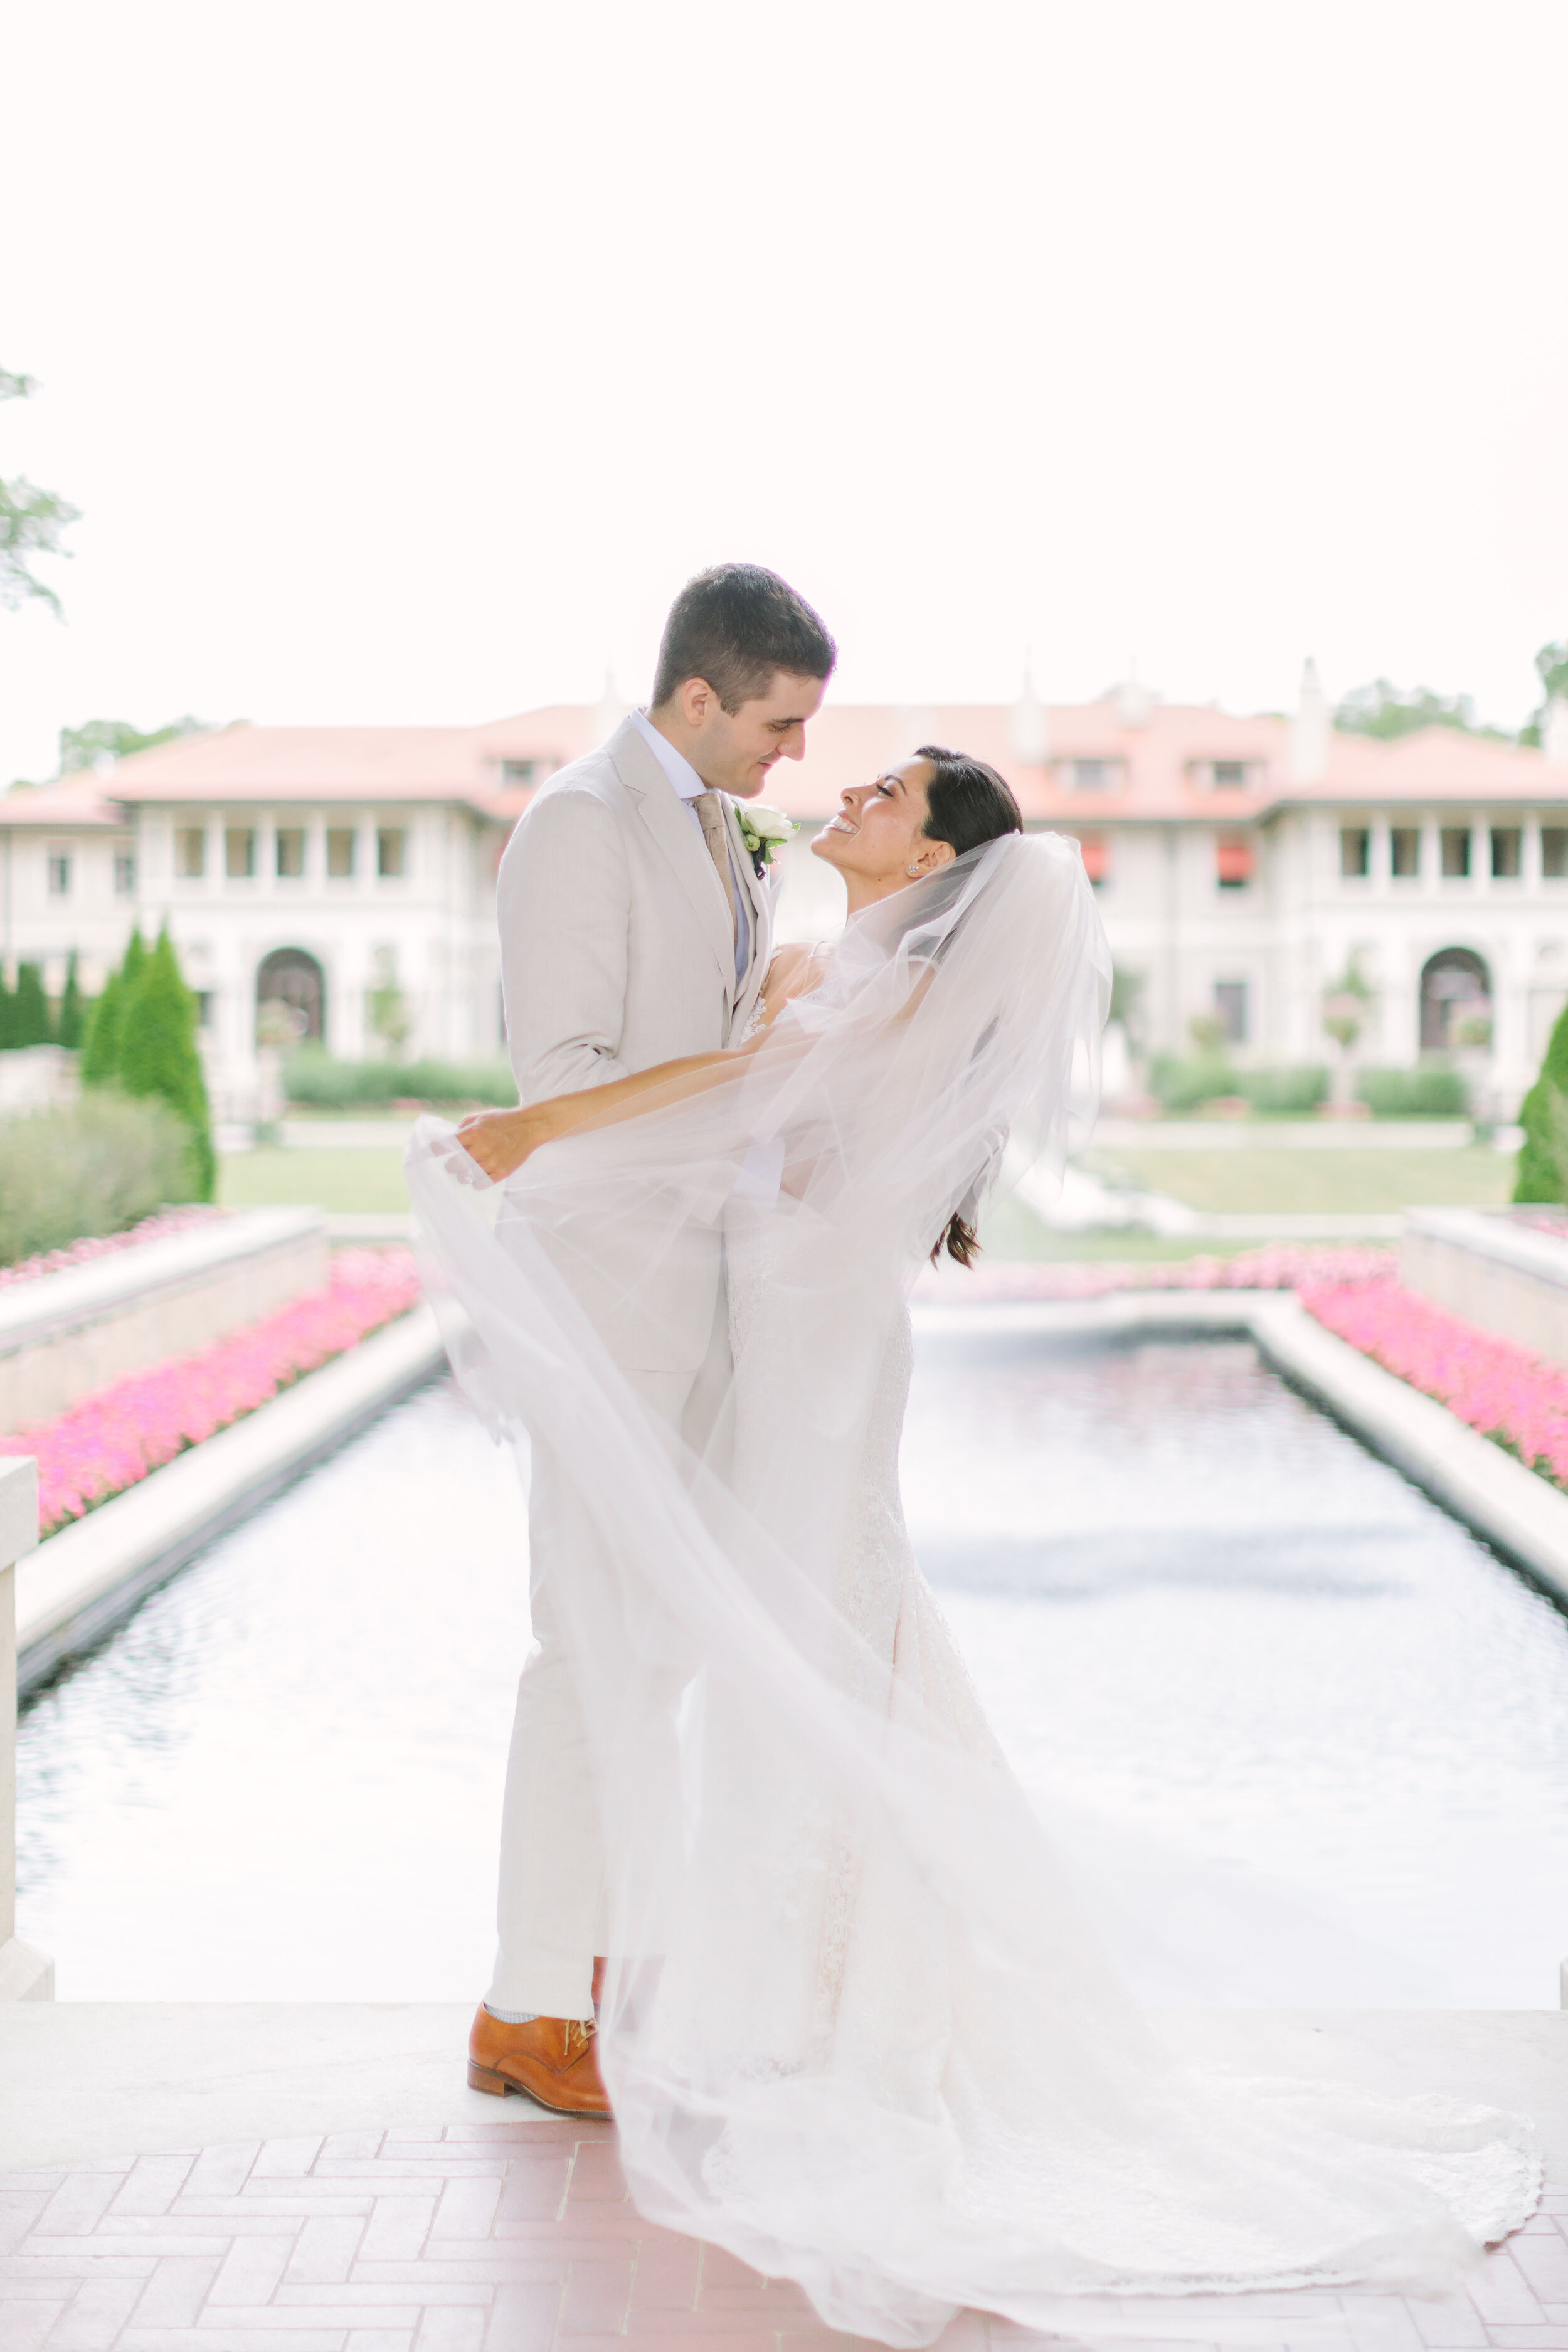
(404, 359)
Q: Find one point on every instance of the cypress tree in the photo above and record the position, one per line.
(99, 1063)
(72, 1018)
(158, 1055)
(1544, 1115)
(135, 961)
(7, 1014)
(30, 1012)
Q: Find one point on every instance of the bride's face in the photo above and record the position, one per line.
(877, 840)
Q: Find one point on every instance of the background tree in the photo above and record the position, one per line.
(30, 1021)
(1386, 710)
(116, 738)
(7, 1014)
(31, 522)
(100, 1065)
(1542, 1169)
(158, 1055)
(1552, 669)
(73, 1016)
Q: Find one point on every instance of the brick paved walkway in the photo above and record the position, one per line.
(512, 2237)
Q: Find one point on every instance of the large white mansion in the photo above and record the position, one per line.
(1242, 865)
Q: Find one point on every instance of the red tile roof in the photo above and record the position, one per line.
(1159, 770)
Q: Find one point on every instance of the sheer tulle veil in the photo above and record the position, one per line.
(856, 2028)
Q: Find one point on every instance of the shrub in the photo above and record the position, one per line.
(93, 1168)
(1295, 1093)
(30, 1023)
(99, 1063)
(7, 1014)
(1543, 1173)
(158, 1055)
(1432, 1090)
(312, 1077)
(1181, 1082)
(72, 1014)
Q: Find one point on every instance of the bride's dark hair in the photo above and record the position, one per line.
(968, 803)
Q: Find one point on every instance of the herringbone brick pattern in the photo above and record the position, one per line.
(518, 2237)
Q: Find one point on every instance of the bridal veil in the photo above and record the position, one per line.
(856, 2028)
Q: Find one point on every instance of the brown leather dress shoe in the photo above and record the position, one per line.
(552, 2059)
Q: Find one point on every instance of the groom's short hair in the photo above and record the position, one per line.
(734, 625)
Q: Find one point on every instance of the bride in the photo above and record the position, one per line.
(856, 2027)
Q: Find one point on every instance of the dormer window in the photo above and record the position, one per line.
(518, 772)
(1091, 775)
(1227, 775)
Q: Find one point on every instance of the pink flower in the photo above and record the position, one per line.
(1517, 1399)
(107, 1442)
(150, 1229)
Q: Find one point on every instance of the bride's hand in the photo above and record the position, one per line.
(498, 1141)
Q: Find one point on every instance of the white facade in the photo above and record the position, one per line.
(1242, 866)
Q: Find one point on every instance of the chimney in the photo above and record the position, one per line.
(609, 711)
(1134, 703)
(1554, 733)
(1031, 733)
(1310, 729)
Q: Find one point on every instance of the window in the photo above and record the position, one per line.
(290, 839)
(1228, 775)
(125, 873)
(389, 841)
(1096, 856)
(1092, 775)
(1356, 852)
(1455, 847)
(190, 851)
(340, 851)
(1230, 1010)
(204, 1001)
(1233, 863)
(239, 852)
(1554, 853)
(1405, 852)
(59, 874)
(1508, 852)
(520, 772)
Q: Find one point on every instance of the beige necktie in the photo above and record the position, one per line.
(709, 807)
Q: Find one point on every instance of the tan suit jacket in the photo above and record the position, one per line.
(618, 951)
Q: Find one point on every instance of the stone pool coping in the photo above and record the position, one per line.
(87, 1579)
(1520, 1515)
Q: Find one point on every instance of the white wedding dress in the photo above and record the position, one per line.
(858, 2027)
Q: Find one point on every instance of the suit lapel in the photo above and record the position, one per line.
(667, 817)
(762, 905)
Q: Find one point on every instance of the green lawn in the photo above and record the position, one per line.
(368, 1180)
(1338, 1181)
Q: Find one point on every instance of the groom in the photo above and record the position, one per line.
(635, 927)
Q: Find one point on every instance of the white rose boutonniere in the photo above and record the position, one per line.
(764, 830)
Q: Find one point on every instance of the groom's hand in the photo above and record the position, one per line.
(498, 1141)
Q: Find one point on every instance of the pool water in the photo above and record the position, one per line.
(1305, 1738)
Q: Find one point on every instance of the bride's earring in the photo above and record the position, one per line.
(913, 869)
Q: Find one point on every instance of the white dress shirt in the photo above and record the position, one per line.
(689, 783)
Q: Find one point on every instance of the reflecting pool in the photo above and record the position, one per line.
(1306, 1739)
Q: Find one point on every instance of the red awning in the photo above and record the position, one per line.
(1096, 856)
(1233, 860)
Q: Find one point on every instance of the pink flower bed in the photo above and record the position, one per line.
(98, 1447)
(1517, 1399)
(1280, 1267)
(150, 1229)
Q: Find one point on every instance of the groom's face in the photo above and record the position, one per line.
(733, 751)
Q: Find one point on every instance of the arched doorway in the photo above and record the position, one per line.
(1455, 1001)
(291, 976)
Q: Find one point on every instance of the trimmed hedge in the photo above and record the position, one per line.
(1432, 1090)
(313, 1078)
(1181, 1084)
(104, 1164)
